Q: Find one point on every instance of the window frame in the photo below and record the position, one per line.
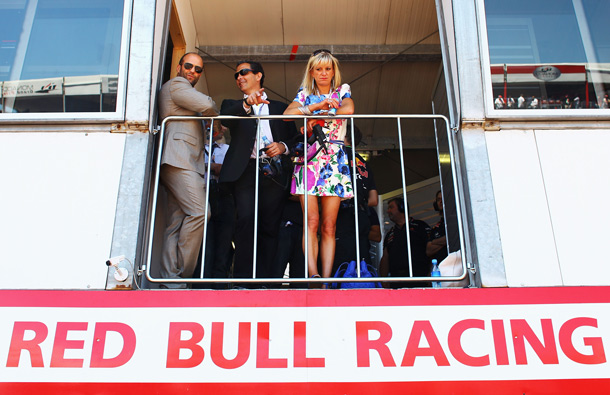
(516, 114)
(94, 117)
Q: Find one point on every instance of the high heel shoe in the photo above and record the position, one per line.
(316, 285)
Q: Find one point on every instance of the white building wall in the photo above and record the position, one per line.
(576, 168)
(58, 208)
(549, 188)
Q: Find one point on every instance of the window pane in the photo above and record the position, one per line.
(549, 54)
(60, 55)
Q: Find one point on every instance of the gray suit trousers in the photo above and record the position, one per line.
(185, 222)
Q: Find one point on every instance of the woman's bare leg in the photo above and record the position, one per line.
(330, 209)
(313, 220)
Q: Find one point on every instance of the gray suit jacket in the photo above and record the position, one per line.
(184, 140)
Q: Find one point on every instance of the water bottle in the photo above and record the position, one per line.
(435, 273)
(276, 162)
(266, 142)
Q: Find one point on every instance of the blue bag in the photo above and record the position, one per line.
(349, 270)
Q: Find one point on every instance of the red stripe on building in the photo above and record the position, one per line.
(304, 298)
(567, 69)
(293, 54)
(539, 387)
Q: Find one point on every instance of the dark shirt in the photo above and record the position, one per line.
(345, 235)
(395, 243)
(293, 213)
(364, 181)
(373, 217)
(437, 232)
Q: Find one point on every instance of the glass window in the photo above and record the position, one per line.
(549, 54)
(60, 55)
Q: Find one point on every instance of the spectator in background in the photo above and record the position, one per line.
(499, 102)
(374, 236)
(221, 225)
(395, 260)
(345, 235)
(521, 101)
(576, 102)
(290, 243)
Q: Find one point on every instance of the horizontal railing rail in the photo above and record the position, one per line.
(306, 279)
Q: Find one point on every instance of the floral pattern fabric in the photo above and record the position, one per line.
(328, 173)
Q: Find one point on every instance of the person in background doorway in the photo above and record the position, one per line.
(374, 237)
(345, 234)
(395, 259)
(183, 169)
(290, 243)
(221, 225)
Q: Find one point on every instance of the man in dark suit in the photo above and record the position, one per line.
(242, 162)
(183, 169)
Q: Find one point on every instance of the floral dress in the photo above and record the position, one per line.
(328, 173)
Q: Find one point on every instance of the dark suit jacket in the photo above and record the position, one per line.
(243, 136)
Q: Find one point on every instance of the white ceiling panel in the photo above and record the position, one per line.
(410, 20)
(337, 22)
(221, 22)
(368, 37)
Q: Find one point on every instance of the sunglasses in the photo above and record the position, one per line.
(243, 72)
(319, 51)
(188, 66)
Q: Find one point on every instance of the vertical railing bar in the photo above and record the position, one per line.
(154, 202)
(256, 186)
(305, 199)
(63, 94)
(398, 117)
(207, 197)
(458, 203)
(404, 197)
(355, 189)
(440, 170)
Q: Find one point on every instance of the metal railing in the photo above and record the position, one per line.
(254, 279)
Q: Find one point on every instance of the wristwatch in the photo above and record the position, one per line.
(246, 102)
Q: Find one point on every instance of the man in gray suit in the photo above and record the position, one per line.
(183, 169)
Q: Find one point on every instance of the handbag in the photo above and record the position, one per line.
(349, 270)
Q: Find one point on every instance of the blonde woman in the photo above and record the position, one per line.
(328, 171)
